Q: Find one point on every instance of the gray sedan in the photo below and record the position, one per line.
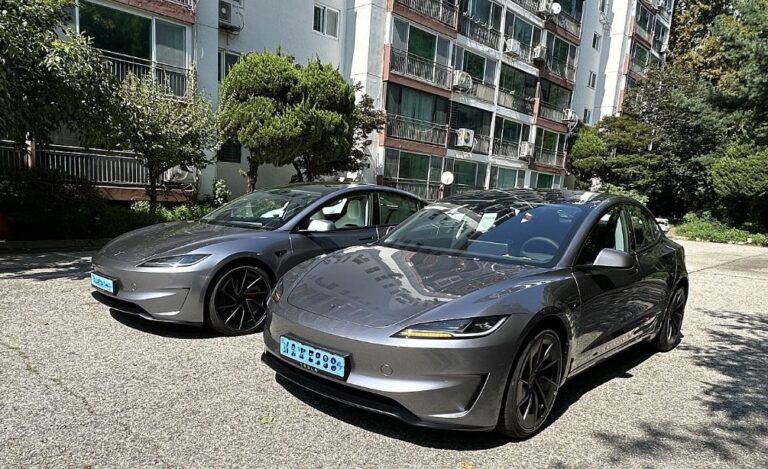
(220, 269)
(473, 312)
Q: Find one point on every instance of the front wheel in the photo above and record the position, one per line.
(533, 386)
(671, 333)
(237, 302)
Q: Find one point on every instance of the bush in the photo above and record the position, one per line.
(707, 228)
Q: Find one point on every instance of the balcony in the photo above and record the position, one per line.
(505, 148)
(551, 112)
(644, 34)
(441, 10)
(482, 90)
(549, 157)
(479, 31)
(416, 130)
(561, 68)
(511, 100)
(530, 5)
(184, 3)
(640, 69)
(419, 68)
(524, 55)
(423, 189)
(175, 78)
(569, 23)
(482, 143)
(12, 158)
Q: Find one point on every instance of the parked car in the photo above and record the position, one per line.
(473, 312)
(219, 270)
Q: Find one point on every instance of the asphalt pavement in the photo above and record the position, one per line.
(83, 387)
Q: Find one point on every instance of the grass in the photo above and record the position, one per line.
(705, 228)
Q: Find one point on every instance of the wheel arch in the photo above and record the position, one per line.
(229, 264)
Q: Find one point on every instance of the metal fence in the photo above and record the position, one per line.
(99, 167)
(482, 90)
(479, 31)
(562, 68)
(551, 112)
(511, 100)
(505, 148)
(417, 130)
(413, 66)
(171, 76)
(443, 11)
(549, 157)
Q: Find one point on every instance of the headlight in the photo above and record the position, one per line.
(453, 328)
(174, 261)
(277, 292)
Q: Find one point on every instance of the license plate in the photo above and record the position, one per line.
(314, 358)
(103, 283)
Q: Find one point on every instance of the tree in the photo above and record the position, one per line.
(48, 81)
(163, 130)
(740, 178)
(587, 156)
(693, 43)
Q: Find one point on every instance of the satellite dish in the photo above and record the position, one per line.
(447, 178)
(555, 9)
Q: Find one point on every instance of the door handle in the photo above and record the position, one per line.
(369, 238)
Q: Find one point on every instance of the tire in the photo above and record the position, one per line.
(533, 386)
(671, 333)
(236, 302)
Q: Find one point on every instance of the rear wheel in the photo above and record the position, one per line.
(533, 386)
(671, 333)
(237, 302)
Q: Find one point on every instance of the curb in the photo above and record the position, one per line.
(7, 246)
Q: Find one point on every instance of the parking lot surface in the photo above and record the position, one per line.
(80, 386)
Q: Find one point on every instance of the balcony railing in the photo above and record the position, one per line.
(530, 5)
(643, 33)
(505, 148)
(184, 3)
(175, 78)
(551, 112)
(640, 69)
(482, 144)
(419, 68)
(511, 100)
(99, 167)
(569, 23)
(482, 90)
(525, 53)
(549, 157)
(561, 68)
(441, 10)
(479, 31)
(416, 130)
(12, 158)
(423, 189)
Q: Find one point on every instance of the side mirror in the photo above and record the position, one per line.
(318, 226)
(614, 258)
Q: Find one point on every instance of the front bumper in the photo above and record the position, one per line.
(454, 384)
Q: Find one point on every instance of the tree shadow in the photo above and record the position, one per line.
(162, 329)
(45, 266)
(737, 349)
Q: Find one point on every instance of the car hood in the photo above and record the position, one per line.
(380, 286)
(168, 238)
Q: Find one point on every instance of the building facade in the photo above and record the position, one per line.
(487, 90)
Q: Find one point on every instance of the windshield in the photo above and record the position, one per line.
(263, 210)
(509, 230)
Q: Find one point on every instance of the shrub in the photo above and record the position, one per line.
(221, 194)
(707, 228)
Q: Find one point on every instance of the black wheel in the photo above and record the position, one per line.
(236, 304)
(533, 386)
(671, 333)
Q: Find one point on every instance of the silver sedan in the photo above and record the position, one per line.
(220, 269)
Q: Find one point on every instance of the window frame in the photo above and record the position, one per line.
(642, 211)
(325, 9)
(597, 41)
(303, 225)
(629, 239)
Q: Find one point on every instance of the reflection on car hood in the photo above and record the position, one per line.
(176, 237)
(380, 286)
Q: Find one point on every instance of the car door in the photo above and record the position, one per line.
(351, 216)
(392, 209)
(657, 264)
(607, 293)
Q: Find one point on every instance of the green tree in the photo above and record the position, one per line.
(693, 43)
(587, 156)
(47, 79)
(163, 130)
(740, 178)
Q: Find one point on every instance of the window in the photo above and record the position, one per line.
(394, 208)
(117, 31)
(644, 18)
(326, 21)
(596, 39)
(592, 81)
(587, 116)
(473, 118)
(644, 228)
(527, 34)
(478, 67)
(603, 5)
(517, 81)
(227, 60)
(230, 152)
(610, 232)
(415, 104)
(562, 53)
(555, 95)
(505, 178)
(408, 38)
(511, 131)
(486, 11)
(349, 212)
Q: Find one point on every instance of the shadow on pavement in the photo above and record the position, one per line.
(45, 266)
(162, 329)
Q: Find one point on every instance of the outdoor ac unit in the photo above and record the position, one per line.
(462, 81)
(225, 12)
(539, 53)
(525, 150)
(544, 7)
(513, 47)
(465, 138)
(661, 3)
(569, 115)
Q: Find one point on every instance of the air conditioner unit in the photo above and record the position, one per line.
(226, 20)
(661, 3)
(544, 7)
(664, 49)
(539, 53)
(465, 138)
(462, 81)
(569, 115)
(513, 47)
(525, 150)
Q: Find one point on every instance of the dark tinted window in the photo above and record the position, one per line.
(229, 152)
(395, 208)
(644, 228)
(610, 232)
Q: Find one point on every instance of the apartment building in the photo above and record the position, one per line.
(488, 90)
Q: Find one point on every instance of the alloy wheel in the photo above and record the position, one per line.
(239, 299)
(675, 317)
(538, 381)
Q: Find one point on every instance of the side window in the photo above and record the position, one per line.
(644, 228)
(395, 208)
(348, 212)
(610, 232)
